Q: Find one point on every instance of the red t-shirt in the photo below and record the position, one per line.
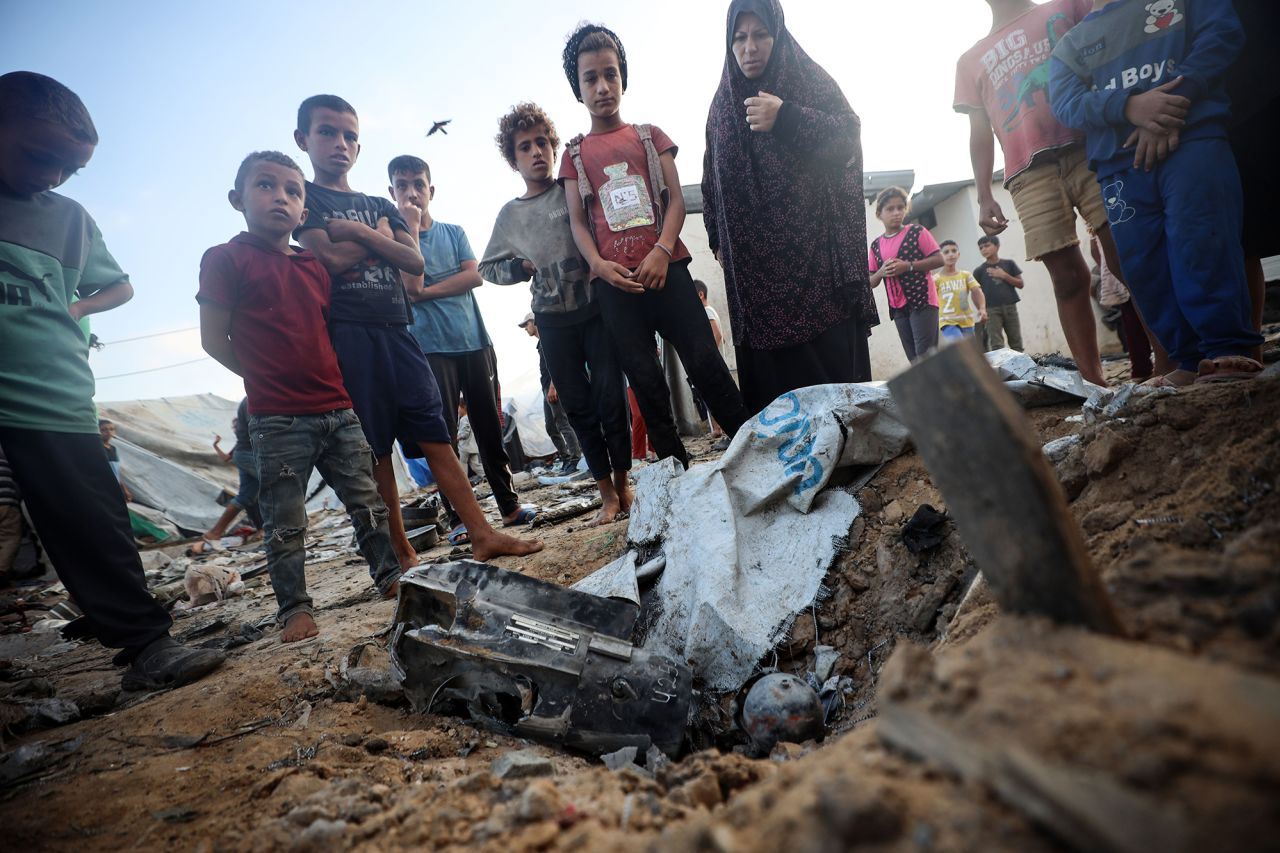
(279, 325)
(1007, 75)
(622, 213)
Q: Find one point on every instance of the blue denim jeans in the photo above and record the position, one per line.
(287, 447)
(247, 496)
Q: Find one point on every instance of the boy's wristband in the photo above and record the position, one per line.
(665, 249)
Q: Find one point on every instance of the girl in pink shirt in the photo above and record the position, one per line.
(903, 259)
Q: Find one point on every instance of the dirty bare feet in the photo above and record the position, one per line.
(1173, 379)
(487, 543)
(299, 626)
(622, 485)
(610, 505)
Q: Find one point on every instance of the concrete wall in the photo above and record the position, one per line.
(957, 220)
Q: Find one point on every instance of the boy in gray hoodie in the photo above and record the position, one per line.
(532, 240)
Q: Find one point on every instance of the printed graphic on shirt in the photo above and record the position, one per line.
(16, 293)
(1162, 15)
(1117, 210)
(625, 199)
(1006, 65)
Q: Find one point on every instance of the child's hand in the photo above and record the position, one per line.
(762, 111)
(384, 228)
(982, 315)
(991, 218)
(1156, 110)
(895, 267)
(617, 275)
(76, 310)
(998, 273)
(340, 229)
(1151, 147)
(412, 216)
(652, 272)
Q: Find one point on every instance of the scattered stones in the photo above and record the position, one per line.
(375, 745)
(893, 512)
(540, 801)
(1107, 450)
(1108, 517)
(522, 764)
(703, 790)
(625, 757)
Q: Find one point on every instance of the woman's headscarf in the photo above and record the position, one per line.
(785, 208)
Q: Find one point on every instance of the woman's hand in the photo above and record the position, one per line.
(618, 276)
(652, 272)
(762, 111)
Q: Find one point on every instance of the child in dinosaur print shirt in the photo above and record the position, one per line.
(1006, 75)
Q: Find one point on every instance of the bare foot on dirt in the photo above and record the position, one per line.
(1172, 379)
(300, 626)
(485, 545)
(622, 485)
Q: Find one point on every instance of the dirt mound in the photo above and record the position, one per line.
(992, 733)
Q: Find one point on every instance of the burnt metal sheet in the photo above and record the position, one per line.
(534, 659)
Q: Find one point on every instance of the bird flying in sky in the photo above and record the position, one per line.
(440, 127)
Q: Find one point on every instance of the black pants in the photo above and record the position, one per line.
(584, 366)
(79, 512)
(838, 355)
(474, 375)
(676, 313)
(556, 420)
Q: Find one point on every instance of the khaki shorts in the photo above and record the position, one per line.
(1047, 196)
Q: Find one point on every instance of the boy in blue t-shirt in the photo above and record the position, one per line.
(1152, 75)
(448, 327)
(54, 270)
(365, 243)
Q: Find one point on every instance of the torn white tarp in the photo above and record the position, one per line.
(1036, 384)
(748, 540)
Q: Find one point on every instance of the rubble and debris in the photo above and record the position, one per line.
(534, 659)
(1046, 382)
(733, 578)
(208, 583)
(925, 530)
(522, 764)
(29, 760)
(565, 510)
(1045, 569)
(781, 707)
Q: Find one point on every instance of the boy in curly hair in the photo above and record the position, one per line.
(626, 211)
(532, 240)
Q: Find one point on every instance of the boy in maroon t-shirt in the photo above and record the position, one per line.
(627, 226)
(264, 312)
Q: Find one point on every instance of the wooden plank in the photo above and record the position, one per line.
(1086, 809)
(1008, 505)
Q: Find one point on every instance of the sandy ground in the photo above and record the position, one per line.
(965, 729)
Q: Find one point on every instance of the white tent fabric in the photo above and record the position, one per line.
(166, 454)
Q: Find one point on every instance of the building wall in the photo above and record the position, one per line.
(957, 220)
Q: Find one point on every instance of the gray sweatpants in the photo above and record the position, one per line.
(918, 331)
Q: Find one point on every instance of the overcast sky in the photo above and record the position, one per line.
(181, 92)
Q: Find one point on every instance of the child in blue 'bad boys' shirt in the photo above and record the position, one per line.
(1146, 82)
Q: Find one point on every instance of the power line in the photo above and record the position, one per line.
(153, 335)
(154, 369)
